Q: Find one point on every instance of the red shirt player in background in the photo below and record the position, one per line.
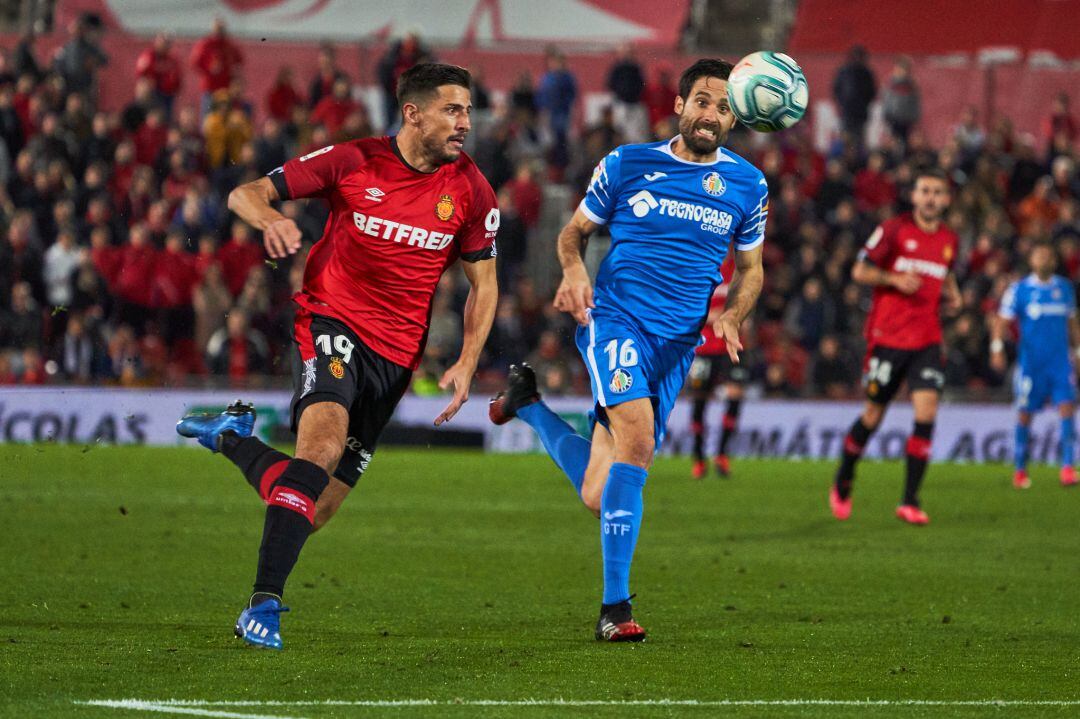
(713, 366)
(402, 210)
(908, 262)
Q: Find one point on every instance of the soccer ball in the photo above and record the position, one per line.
(767, 91)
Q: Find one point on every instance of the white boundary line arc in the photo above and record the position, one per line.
(175, 704)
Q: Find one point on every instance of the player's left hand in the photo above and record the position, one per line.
(954, 303)
(459, 377)
(725, 326)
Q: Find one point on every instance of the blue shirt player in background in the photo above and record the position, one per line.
(1044, 307)
(673, 209)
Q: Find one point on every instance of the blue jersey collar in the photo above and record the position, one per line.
(721, 156)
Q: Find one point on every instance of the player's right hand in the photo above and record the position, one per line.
(575, 295)
(998, 362)
(907, 282)
(282, 238)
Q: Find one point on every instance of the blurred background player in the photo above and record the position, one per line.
(908, 261)
(403, 208)
(712, 367)
(673, 208)
(1043, 305)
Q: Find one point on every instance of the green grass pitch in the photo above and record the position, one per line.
(457, 576)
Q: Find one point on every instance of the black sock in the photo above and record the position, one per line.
(854, 443)
(260, 463)
(731, 423)
(697, 427)
(918, 456)
(289, 517)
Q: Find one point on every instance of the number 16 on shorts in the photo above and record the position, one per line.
(621, 357)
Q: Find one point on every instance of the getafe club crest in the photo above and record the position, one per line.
(621, 381)
(713, 184)
(444, 208)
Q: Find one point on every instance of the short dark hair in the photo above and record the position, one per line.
(420, 82)
(706, 67)
(934, 172)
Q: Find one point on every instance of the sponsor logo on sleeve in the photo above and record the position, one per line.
(316, 153)
(491, 222)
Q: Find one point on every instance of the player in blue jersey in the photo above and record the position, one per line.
(1044, 307)
(673, 208)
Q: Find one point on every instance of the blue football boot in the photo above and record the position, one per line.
(260, 626)
(207, 428)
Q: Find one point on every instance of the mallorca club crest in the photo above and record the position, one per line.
(713, 184)
(444, 208)
(337, 367)
(621, 381)
(947, 253)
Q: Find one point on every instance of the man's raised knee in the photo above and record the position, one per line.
(636, 449)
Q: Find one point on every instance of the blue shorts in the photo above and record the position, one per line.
(1033, 387)
(625, 363)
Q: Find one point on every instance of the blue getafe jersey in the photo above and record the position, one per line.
(1042, 310)
(671, 223)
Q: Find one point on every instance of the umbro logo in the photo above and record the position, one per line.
(655, 176)
(375, 194)
(616, 514)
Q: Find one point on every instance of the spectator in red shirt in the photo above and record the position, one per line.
(176, 273)
(237, 350)
(216, 59)
(174, 282)
(158, 63)
(527, 195)
(238, 256)
(150, 138)
(334, 108)
(323, 82)
(659, 96)
(1060, 120)
(179, 180)
(282, 97)
(873, 187)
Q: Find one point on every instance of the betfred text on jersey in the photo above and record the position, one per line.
(400, 232)
(921, 267)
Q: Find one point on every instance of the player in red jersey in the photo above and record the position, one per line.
(713, 366)
(402, 210)
(908, 262)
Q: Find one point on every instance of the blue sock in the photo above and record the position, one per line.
(620, 521)
(568, 448)
(1020, 454)
(1068, 442)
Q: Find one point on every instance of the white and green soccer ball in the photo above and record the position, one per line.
(767, 91)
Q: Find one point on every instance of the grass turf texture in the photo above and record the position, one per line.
(461, 575)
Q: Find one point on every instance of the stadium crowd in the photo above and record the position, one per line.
(119, 262)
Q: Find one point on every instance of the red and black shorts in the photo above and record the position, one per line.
(709, 371)
(886, 368)
(331, 364)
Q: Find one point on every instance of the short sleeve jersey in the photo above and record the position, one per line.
(391, 233)
(672, 223)
(1042, 311)
(908, 321)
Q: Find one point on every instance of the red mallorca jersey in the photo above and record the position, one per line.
(391, 233)
(908, 321)
(711, 345)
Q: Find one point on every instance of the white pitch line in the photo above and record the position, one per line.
(171, 707)
(192, 705)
